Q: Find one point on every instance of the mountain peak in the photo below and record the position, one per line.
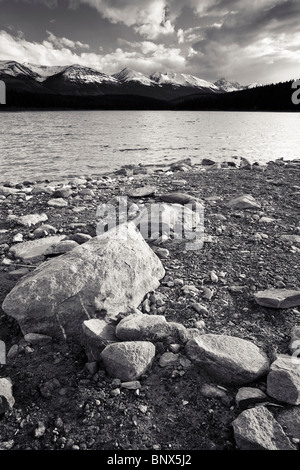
(128, 75)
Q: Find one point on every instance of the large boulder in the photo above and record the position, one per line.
(257, 429)
(228, 359)
(101, 278)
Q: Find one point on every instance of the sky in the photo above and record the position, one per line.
(240, 40)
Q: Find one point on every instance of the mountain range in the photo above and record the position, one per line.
(34, 87)
(85, 81)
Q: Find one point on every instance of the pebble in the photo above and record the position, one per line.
(40, 430)
(18, 238)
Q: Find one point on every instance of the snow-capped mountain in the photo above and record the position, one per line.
(181, 79)
(44, 71)
(14, 69)
(128, 76)
(80, 80)
(80, 74)
(228, 87)
(254, 85)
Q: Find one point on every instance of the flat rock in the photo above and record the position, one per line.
(291, 238)
(62, 247)
(109, 274)
(57, 202)
(244, 202)
(127, 361)
(37, 339)
(144, 327)
(31, 219)
(18, 273)
(283, 381)
(80, 238)
(228, 359)
(257, 429)
(35, 248)
(96, 335)
(178, 198)
(249, 396)
(5, 191)
(144, 191)
(278, 298)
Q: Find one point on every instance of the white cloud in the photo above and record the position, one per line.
(148, 18)
(145, 56)
(64, 42)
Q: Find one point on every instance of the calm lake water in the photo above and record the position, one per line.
(55, 144)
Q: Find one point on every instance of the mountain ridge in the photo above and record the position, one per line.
(84, 80)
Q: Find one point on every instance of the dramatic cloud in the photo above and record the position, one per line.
(257, 34)
(243, 40)
(148, 18)
(145, 56)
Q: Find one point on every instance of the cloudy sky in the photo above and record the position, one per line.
(242, 40)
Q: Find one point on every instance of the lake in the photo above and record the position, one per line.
(55, 144)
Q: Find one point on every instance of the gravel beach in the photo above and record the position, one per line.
(63, 400)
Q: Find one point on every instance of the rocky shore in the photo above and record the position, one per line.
(133, 338)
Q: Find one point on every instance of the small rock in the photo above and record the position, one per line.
(169, 359)
(200, 308)
(144, 191)
(7, 400)
(18, 273)
(2, 353)
(291, 238)
(61, 247)
(294, 345)
(211, 391)
(18, 238)
(7, 445)
(244, 202)
(31, 219)
(80, 238)
(128, 360)
(37, 339)
(40, 430)
(133, 385)
(249, 396)
(59, 202)
(44, 230)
